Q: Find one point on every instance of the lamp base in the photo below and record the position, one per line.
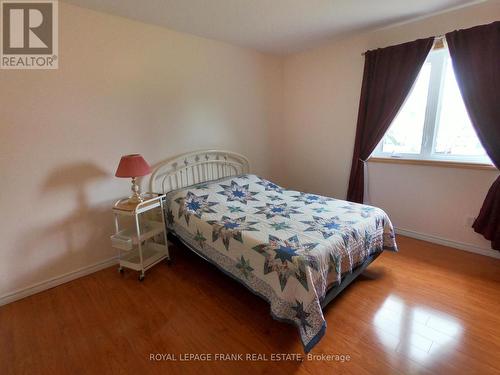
(135, 198)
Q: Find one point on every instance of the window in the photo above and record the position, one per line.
(433, 123)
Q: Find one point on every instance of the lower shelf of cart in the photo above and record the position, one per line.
(127, 238)
(152, 253)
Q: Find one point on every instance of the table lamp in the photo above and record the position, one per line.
(133, 166)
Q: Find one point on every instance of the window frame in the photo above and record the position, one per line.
(438, 59)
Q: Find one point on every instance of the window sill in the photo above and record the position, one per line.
(433, 163)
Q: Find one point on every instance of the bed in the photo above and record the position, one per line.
(296, 250)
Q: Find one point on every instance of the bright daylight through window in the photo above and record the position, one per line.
(433, 123)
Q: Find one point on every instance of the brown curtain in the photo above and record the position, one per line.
(475, 54)
(388, 77)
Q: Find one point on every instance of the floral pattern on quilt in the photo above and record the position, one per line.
(281, 209)
(193, 204)
(311, 199)
(288, 258)
(327, 226)
(270, 186)
(286, 246)
(235, 192)
(244, 266)
(228, 228)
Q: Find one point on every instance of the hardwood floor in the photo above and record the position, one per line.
(426, 309)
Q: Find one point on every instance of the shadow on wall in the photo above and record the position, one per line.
(74, 177)
(70, 243)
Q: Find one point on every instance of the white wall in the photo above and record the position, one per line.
(321, 97)
(121, 87)
(435, 201)
(124, 87)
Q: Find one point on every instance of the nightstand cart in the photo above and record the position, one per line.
(140, 247)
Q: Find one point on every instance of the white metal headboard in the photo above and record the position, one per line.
(196, 167)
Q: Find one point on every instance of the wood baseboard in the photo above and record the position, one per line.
(55, 281)
(450, 243)
(58, 280)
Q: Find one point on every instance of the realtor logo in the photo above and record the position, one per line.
(29, 34)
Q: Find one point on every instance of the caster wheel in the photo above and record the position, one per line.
(141, 277)
(169, 262)
(121, 270)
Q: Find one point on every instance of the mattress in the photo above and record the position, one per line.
(288, 247)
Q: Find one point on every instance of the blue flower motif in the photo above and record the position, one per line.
(320, 210)
(285, 253)
(287, 258)
(270, 186)
(235, 192)
(228, 228)
(362, 210)
(307, 198)
(327, 226)
(193, 204)
(280, 226)
(272, 210)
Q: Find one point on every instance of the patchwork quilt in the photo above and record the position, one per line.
(286, 246)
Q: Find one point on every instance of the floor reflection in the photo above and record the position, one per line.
(416, 332)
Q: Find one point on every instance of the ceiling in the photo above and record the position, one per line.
(276, 26)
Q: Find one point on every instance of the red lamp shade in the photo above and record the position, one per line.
(132, 166)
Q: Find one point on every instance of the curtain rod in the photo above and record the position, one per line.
(438, 37)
